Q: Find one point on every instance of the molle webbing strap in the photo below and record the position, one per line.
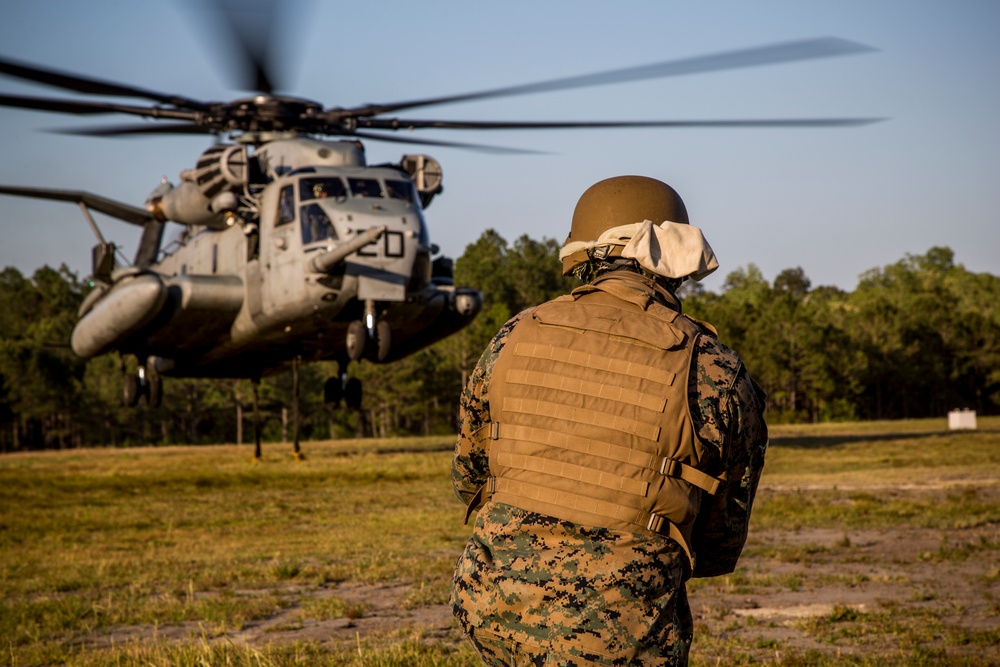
(663, 526)
(597, 362)
(606, 450)
(568, 442)
(513, 492)
(570, 413)
(483, 496)
(573, 472)
(478, 439)
(674, 468)
(598, 389)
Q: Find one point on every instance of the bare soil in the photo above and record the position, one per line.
(896, 578)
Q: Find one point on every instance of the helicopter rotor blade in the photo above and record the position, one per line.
(411, 124)
(753, 57)
(131, 130)
(59, 106)
(86, 108)
(250, 25)
(90, 86)
(483, 148)
(117, 209)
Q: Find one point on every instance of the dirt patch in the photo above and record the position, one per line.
(378, 611)
(373, 613)
(892, 592)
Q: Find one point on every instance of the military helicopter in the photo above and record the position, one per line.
(294, 249)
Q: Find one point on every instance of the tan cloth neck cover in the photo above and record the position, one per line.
(669, 249)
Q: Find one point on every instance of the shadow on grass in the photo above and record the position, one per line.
(821, 441)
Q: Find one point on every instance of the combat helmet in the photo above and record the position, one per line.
(618, 201)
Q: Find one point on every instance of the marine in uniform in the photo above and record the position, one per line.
(612, 447)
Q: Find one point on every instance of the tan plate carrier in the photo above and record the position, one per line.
(590, 418)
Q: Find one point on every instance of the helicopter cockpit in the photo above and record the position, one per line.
(315, 223)
(322, 197)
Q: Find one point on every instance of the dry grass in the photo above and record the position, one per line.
(196, 555)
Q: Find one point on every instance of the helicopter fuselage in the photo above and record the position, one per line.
(325, 247)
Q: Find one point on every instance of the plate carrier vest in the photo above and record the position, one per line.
(589, 414)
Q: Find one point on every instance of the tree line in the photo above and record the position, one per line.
(914, 339)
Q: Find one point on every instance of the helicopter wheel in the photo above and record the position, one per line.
(379, 351)
(357, 340)
(333, 391)
(130, 389)
(383, 340)
(154, 392)
(154, 388)
(352, 394)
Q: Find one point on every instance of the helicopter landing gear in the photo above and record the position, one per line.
(383, 340)
(154, 386)
(341, 387)
(368, 338)
(357, 340)
(145, 382)
(353, 394)
(333, 390)
(130, 390)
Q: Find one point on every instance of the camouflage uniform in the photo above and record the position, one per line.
(531, 589)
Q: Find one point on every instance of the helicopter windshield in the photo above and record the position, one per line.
(365, 187)
(400, 190)
(321, 188)
(316, 225)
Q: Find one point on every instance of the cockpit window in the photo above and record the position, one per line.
(399, 189)
(365, 187)
(321, 188)
(286, 206)
(316, 225)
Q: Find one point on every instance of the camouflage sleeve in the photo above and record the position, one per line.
(730, 415)
(470, 466)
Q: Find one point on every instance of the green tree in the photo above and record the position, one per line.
(41, 376)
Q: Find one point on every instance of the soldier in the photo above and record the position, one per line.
(612, 446)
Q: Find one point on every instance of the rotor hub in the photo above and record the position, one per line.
(268, 113)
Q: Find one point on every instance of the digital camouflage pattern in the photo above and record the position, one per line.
(531, 589)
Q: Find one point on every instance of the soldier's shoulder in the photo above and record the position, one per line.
(716, 357)
(501, 336)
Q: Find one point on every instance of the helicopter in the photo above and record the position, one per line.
(293, 248)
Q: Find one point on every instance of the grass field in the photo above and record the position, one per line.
(872, 544)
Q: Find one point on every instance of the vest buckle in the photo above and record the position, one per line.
(655, 523)
(670, 467)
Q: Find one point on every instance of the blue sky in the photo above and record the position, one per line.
(834, 201)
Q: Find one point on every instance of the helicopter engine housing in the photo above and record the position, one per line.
(205, 192)
(283, 156)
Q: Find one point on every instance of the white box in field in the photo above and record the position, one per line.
(962, 419)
